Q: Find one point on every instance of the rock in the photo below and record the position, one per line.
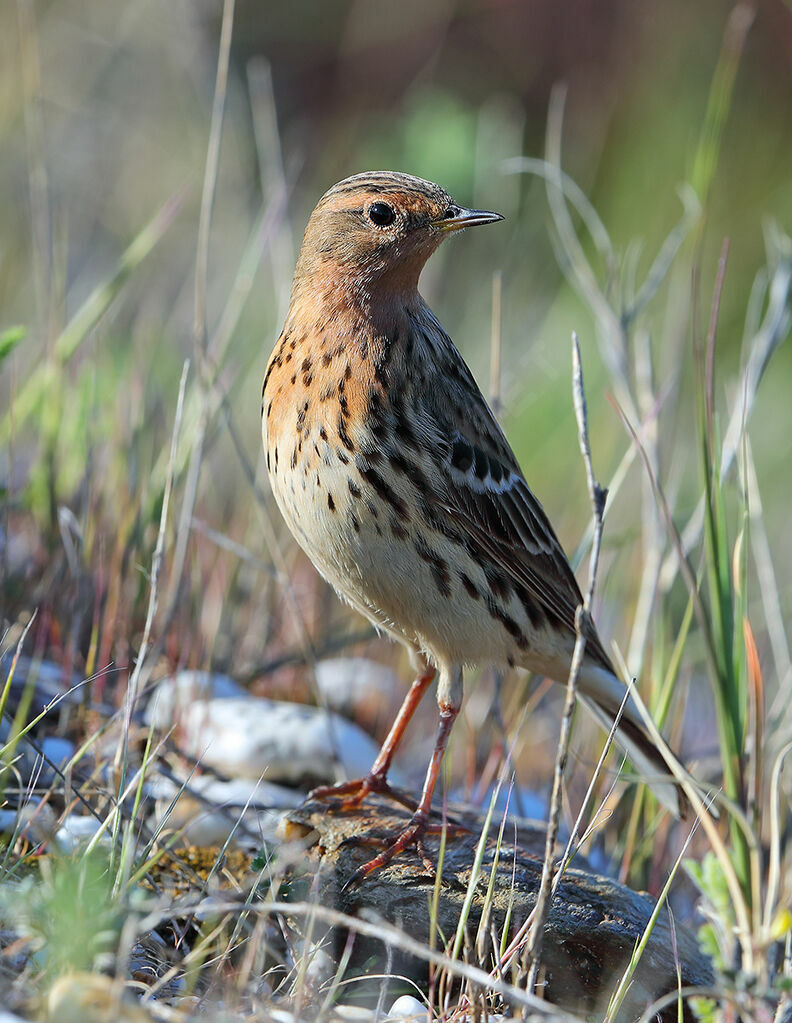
(34, 821)
(92, 998)
(408, 1009)
(356, 685)
(352, 1014)
(245, 737)
(57, 750)
(29, 763)
(150, 960)
(77, 831)
(591, 931)
(175, 694)
(208, 808)
(15, 952)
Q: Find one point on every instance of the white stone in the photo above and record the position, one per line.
(34, 820)
(245, 737)
(346, 683)
(175, 694)
(209, 808)
(352, 1014)
(77, 831)
(408, 1007)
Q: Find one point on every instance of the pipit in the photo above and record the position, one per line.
(394, 476)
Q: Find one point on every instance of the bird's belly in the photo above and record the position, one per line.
(401, 574)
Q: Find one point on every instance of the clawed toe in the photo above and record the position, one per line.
(410, 836)
(352, 793)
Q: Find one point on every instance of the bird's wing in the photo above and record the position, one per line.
(484, 493)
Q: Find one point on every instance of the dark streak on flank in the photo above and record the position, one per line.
(330, 502)
(343, 436)
(413, 472)
(354, 489)
(386, 492)
(532, 610)
(402, 426)
(372, 456)
(438, 565)
(497, 581)
(508, 623)
(470, 587)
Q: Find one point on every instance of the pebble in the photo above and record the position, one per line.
(34, 821)
(208, 808)
(351, 685)
(352, 1014)
(246, 737)
(77, 831)
(178, 692)
(408, 1007)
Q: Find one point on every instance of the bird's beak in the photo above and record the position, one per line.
(457, 217)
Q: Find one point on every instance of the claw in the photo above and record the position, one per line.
(357, 790)
(411, 835)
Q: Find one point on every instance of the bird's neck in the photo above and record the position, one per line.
(354, 304)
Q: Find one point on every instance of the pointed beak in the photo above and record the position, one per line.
(457, 217)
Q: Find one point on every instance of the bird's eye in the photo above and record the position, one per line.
(381, 214)
(450, 213)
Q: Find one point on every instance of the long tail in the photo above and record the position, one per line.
(602, 693)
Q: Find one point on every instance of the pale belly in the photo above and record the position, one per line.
(401, 574)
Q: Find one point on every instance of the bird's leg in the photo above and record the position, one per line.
(416, 828)
(376, 780)
(449, 700)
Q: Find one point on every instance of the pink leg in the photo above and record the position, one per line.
(377, 778)
(416, 828)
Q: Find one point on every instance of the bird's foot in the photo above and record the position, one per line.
(413, 835)
(352, 793)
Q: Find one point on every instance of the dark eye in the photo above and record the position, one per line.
(381, 214)
(451, 212)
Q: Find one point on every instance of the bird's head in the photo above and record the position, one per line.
(380, 226)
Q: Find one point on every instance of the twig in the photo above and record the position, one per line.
(598, 496)
(210, 180)
(134, 681)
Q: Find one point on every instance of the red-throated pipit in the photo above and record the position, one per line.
(395, 478)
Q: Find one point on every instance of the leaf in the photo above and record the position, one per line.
(9, 339)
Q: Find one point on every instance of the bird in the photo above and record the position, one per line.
(395, 477)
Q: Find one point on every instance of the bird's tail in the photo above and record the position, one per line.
(603, 694)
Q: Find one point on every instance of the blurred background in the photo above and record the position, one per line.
(105, 114)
